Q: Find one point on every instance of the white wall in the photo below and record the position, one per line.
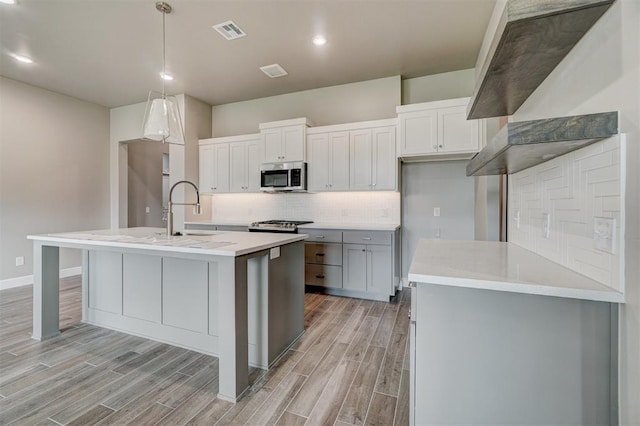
(54, 171)
(602, 73)
(449, 85)
(365, 100)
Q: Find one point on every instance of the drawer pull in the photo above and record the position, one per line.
(366, 238)
(320, 276)
(320, 237)
(319, 254)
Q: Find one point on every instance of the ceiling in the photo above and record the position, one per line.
(110, 51)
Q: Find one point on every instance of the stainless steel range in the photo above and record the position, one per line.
(277, 226)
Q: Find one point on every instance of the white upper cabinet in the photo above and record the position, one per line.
(245, 162)
(214, 168)
(284, 140)
(230, 164)
(373, 162)
(437, 128)
(328, 156)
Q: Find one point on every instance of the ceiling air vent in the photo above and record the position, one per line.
(229, 30)
(274, 70)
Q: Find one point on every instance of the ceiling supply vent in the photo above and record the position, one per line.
(274, 70)
(229, 30)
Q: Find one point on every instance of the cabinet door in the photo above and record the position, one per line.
(339, 161)
(319, 162)
(354, 267)
(384, 159)
(379, 269)
(254, 159)
(360, 160)
(238, 165)
(205, 160)
(455, 132)
(293, 143)
(220, 173)
(272, 144)
(418, 132)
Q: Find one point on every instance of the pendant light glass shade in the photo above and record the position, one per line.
(162, 121)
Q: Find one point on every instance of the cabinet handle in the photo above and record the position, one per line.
(319, 254)
(320, 237)
(320, 276)
(439, 146)
(366, 238)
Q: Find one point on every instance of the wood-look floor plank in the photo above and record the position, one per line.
(211, 413)
(193, 383)
(194, 404)
(356, 404)
(290, 419)
(328, 406)
(360, 342)
(402, 407)
(284, 366)
(381, 410)
(377, 308)
(317, 350)
(391, 370)
(274, 406)
(239, 413)
(383, 332)
(151, 415)
(352, 325)
(308, 396)
(92, 416)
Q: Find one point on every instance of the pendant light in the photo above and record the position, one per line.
(162, 120)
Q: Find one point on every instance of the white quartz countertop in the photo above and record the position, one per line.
(503, 267)
(217, 243)
(314, 225)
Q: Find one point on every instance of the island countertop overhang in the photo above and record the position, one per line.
(220, 243)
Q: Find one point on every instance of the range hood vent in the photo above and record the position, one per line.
(524, 144)
(532, 38)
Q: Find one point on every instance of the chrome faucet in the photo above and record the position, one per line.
(196, 205)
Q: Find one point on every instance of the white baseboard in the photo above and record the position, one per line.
(28, 279)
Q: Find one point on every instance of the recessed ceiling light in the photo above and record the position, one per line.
(22, 59)
(319, 40)
(165, 76)
(8, 1)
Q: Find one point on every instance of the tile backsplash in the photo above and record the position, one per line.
(573, 190)
(332, 207)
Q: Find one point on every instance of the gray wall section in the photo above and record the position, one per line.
(448, 85)
(361, 101)
(435, 184)
(54, 171)
(145, 183)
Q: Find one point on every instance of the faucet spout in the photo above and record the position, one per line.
(196, 205)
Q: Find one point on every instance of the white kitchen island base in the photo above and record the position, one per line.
(237, 296)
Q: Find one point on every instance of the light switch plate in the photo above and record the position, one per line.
(604, 234)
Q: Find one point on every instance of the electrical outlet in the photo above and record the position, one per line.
(546, 225)
(436, 211)
(604, 234)
(147, 209)
(437, 233)
(19, 260)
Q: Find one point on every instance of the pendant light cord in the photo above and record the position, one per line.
(164, 47)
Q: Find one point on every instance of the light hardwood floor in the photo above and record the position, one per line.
(349, 368)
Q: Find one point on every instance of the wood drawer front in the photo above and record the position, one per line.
(322, 235)
(326, 254)
(368, 237)
(323, 275)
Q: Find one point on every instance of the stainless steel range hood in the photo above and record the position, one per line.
(524, 144)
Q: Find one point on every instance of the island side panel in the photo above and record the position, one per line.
(491, 357)
(286, 298)
(46, 297)
(232, 328)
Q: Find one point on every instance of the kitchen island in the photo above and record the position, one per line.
(501, 335)
(235, 295)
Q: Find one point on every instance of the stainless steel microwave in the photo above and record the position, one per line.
(283, 177)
